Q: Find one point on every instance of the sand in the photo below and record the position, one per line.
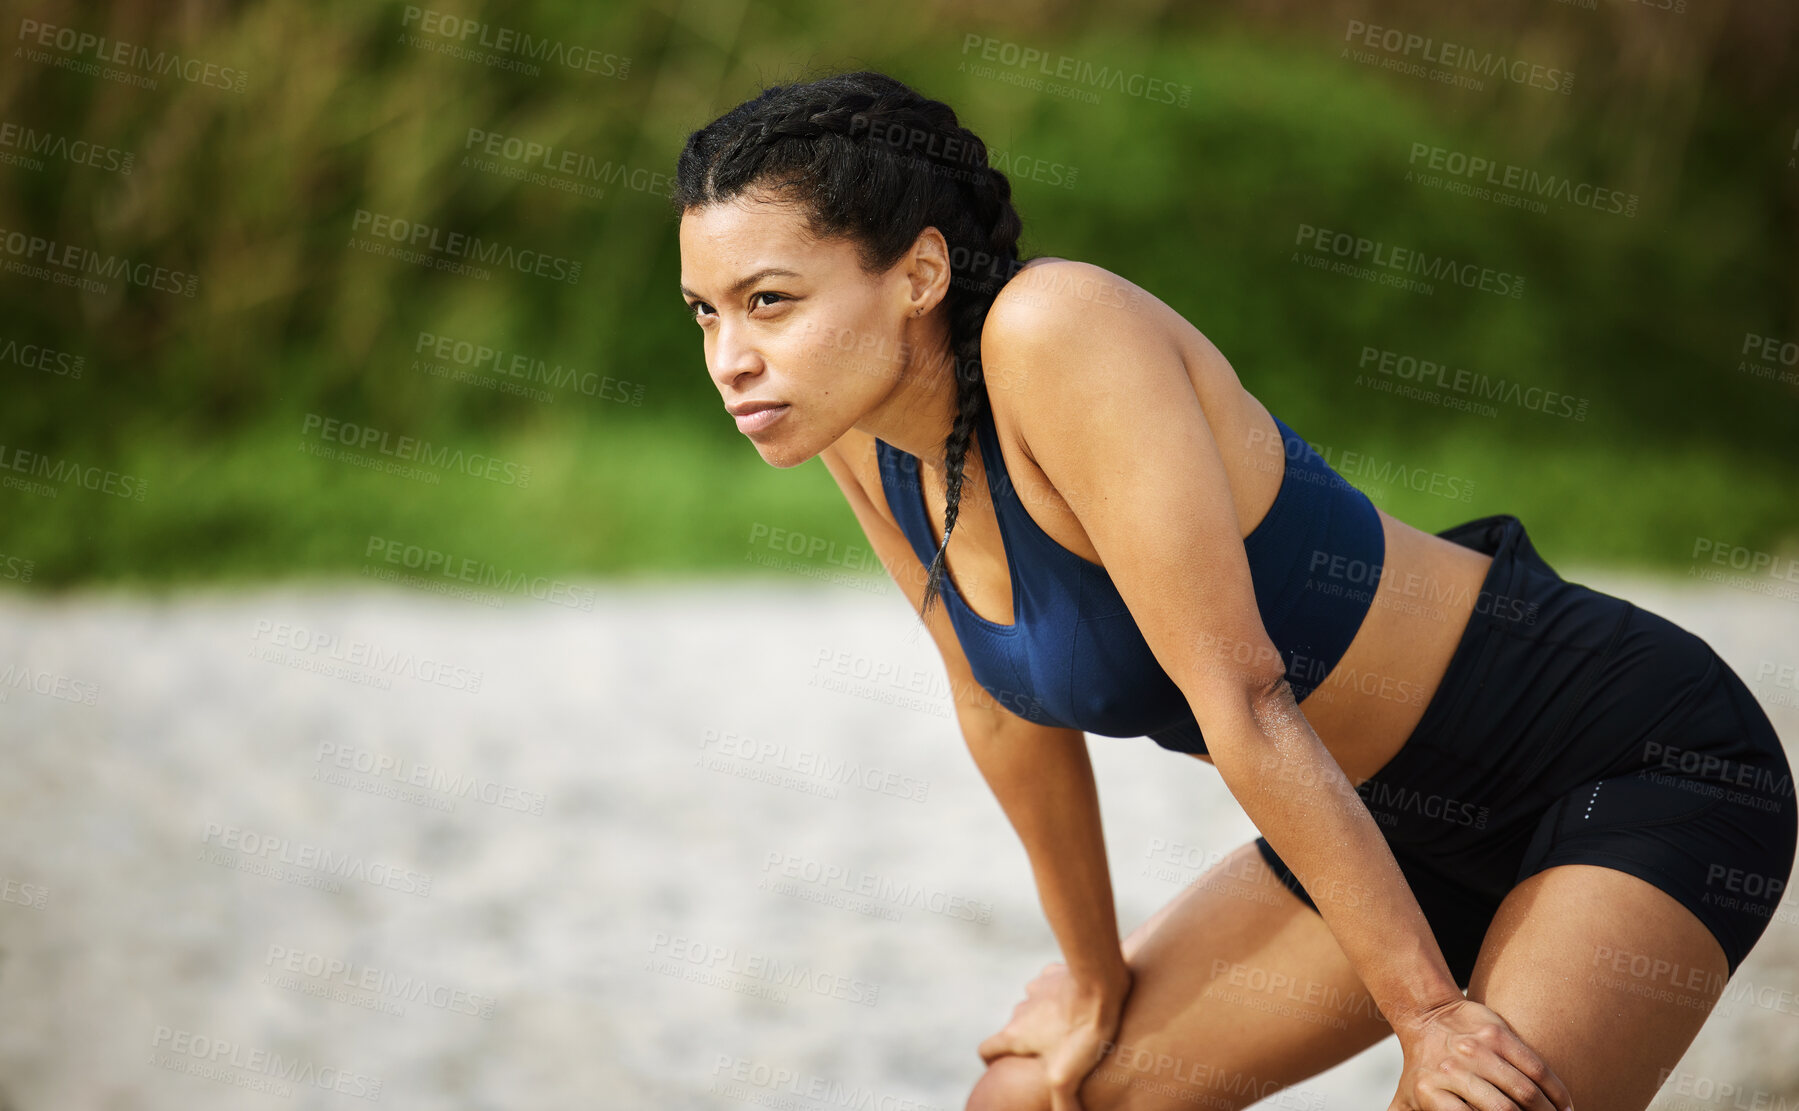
(326, 844)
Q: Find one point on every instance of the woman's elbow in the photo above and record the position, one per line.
(1226, 703)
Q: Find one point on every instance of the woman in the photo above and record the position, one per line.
(1550, 782)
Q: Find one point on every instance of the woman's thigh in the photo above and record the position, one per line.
(1239, 990)
(1605, 975)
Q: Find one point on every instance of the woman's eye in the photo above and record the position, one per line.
(696, 307)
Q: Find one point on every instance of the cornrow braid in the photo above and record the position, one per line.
(873, 161)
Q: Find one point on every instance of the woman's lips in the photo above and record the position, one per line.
(751, 423)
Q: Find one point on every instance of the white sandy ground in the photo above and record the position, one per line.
(617, 948)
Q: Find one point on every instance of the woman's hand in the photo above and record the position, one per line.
(1462, 1053)
(1066, 1024)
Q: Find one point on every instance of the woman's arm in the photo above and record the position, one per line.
(1043, 780)
(1041, 775)
(1108, 410)
(1044, 783)
(1097, 381)
(1300, 800)
(1455, 1048)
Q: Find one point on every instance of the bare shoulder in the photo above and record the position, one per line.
(1047, 285)
(1070, 349)
(1052, 302)
(1062, 329)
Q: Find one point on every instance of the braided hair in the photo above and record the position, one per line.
(872, 161)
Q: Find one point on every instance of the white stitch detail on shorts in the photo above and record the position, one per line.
(1591, 801)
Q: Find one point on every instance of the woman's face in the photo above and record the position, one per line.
(821, 337)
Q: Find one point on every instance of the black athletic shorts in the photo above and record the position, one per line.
(1573, 727)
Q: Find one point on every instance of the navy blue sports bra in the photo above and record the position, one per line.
(1074, 656)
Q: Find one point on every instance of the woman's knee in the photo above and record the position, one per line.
(1016, 1083)
(1011, 1083)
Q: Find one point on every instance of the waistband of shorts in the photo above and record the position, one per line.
(1515, 559)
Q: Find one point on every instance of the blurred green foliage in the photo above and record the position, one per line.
(350, 107)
